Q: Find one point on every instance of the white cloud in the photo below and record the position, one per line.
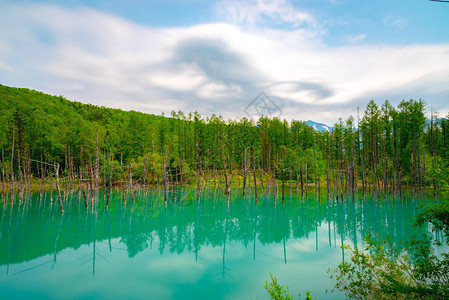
(357, 38)
(213, 90)
(186, 79)
(88, 55)
(259, 12)
(395, 22)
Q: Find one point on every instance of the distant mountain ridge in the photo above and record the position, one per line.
(323, 127)
(319, 126)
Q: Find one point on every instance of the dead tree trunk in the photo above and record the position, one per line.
(260, 175)
(314, 168)
(122, 187)
(20, 177)
(87, 186)
(58, 190)
(131, 182)
(306, 179)
(301, 174)
(43, 176)
(81, 178)
(244, 173)
(327, 177)
(70, 167)
(110, 181)
(290, 173)
(11, 196)
(105, 156)
(254, 175)
(283, 171)
(97, 167)
(197, 172)
(353, 170)
(91, 183)
(165, 179)
(362, 165)
(419, 170)
(214, 171)
(340, 170)
(224, 170)
(3, 176)
(269, 169)
(144, 167)
(297, 173)
(152, 166)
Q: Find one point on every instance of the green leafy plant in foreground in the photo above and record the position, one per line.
(379, 271)
(280, 292)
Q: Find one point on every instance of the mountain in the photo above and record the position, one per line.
(435, 121)
(319, 126)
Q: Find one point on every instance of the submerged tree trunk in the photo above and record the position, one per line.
(260, 175)
(122, 188)
(165, 179)
(97, 168)
(3, 176)
(314, 163)
(420, 175)
(290, 173)
(11, 196)
(43, 176)
(70, 169)
(110, 182)
(353, 178)
(58, 190)
(301, 174)
(224, 170)
(254, 175)
(340, 170)
(327, 178)
(297, 173)
(244, 173)
(197, 172)
(307, 183)
(283, 172)
(20, 177)
(144, 167)
(131, 182)
(152, 166)
(269, 169)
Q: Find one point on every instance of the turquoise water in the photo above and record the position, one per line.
(187, 249)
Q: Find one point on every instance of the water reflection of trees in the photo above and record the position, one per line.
(36, 227)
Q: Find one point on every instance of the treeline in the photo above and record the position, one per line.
(382, 151)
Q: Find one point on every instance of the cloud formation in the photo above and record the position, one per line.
(91, 56)
(264, 12)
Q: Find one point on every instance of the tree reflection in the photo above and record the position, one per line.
(188, 225)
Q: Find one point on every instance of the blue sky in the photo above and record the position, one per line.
(316, 59)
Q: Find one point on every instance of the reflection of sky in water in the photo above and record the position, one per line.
(200, 251)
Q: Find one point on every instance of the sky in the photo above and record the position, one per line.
(314, 59)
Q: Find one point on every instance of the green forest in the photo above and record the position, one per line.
(384, 150)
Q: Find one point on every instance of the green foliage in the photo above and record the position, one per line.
(372, 269)
(277, 291)
(437, 216)
(389, 145)
(379, 271)
(280, 292)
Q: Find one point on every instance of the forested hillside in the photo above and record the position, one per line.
(390, 149)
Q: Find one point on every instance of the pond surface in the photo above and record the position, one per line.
(186, 249)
